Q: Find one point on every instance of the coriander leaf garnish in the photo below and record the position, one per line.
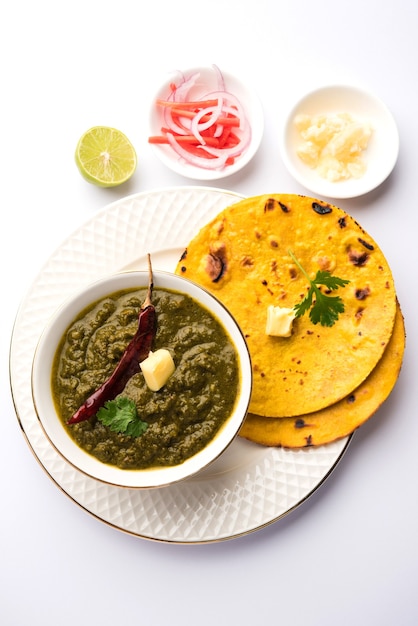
(322, 308)
(121, 416)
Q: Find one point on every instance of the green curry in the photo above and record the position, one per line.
(185, 414)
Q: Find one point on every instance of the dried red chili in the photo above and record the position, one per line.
(137, 351)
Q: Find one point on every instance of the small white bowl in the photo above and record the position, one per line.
(207, 83)
(380, 156)
(52, 425)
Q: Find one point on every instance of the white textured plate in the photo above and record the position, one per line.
(249, 486)
(207, 82)
(381, 154)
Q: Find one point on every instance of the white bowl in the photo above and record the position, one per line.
(207, 83)
(52, 425)
(380, 156)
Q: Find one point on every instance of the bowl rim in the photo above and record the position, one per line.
(54, 429)
(252, 105)
(383, 145)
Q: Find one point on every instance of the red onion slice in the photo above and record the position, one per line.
(197, 126)
(181, 92)
(219, 77)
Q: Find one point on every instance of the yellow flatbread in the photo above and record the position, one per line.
(340, 419)
(242, 256)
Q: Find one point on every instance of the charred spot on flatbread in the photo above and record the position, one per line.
(272, 203)
(321, 209)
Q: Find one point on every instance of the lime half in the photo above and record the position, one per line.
(105, 156)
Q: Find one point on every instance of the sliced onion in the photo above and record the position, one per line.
(232, 101)
(220, 78)
(181, 93)
(197, 126)
(171, 124)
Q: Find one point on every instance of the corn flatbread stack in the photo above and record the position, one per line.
(340, 419)
(246, 257)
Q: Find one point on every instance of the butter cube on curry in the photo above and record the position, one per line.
(157, 368)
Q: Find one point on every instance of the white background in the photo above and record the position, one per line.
(349, 554)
